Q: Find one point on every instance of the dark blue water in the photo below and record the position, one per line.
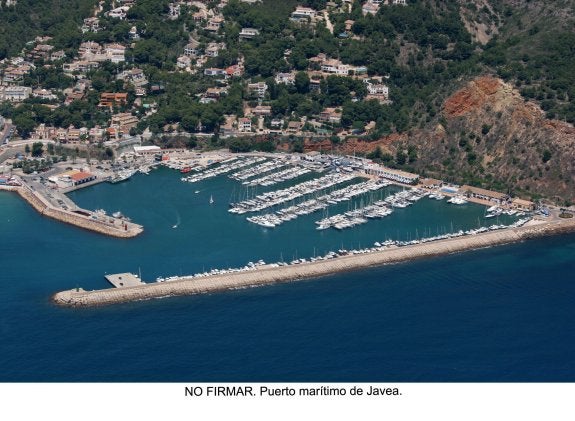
(500, 314)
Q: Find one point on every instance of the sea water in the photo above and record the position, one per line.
(499, 314)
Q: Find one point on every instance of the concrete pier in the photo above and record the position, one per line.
(268, 275)
(114, 227)
(121, 280)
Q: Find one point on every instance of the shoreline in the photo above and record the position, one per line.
(270, 275)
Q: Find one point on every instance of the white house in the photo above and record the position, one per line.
(248, 33)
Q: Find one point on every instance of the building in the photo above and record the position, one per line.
(391, 174)
(369, 8)
(213, 49)
(183, 62)
(258, 89)
(522, 205)
(214, 24)
(430, 183)
(294, 127)
(245, 124)
(212, 71)
(119, 12)
(192, 48)
(303, 14)
(96, 134)
(80, 66)
(124, 122)
(262, 110)
(235, 70)
(91, 24)
(200, 16)
(335, 67)
(330, 115)
(15, 93)
(116, 53)
(135, 76)
(285, 78)
(249, 33)
(483, 194)
(57, 55)
(147, 150)
(72, 178)
(89, 48)
(43, 94)
(40, 52)
(174, 11)
(216, 92)
(109, 99)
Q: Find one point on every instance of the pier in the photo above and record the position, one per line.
(265, 275)
(103, 224)
(122, 280)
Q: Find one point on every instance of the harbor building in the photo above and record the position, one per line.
(483, 194)
(391, 174)
(71, 178)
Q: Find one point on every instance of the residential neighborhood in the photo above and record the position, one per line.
(113, 79)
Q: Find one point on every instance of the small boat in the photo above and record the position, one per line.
(211, 199)
(197, 191)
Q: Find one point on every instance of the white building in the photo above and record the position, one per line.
(248, 33)
(391, 174)
(335, 67)
(15, 93)
(245, 124)
(259, 89)
(378, 89)
(285, 78)
(115, 53)
(303, 13)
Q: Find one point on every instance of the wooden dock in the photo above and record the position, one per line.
(121, 280)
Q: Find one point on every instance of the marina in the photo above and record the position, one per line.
(350, 280)
(349, 199)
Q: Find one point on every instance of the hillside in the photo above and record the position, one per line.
(488, 135)
(471, 91)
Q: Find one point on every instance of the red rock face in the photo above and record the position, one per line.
(473, 96)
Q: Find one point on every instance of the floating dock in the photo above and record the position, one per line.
(268, 274)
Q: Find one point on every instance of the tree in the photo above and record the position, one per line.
(302, 82)
(400, 157)
(37, 149)
(25, 124)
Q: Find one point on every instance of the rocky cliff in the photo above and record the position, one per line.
(488, 135)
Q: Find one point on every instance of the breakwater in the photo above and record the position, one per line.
(269, 275)
(112, 226)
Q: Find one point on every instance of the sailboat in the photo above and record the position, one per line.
(211, 199)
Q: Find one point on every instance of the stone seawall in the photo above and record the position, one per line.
(35, 200)
(268, 275)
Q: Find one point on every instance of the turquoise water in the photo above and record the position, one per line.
(499, 314)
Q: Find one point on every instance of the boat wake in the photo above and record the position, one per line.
(177, 224)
